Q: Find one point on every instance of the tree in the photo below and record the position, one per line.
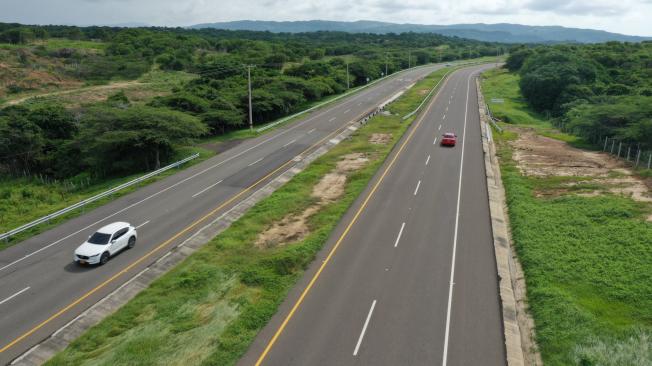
(117, 140)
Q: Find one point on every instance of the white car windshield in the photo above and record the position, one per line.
(99, 238)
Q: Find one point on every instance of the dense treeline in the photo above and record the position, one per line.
(114, 137)
(593, 90)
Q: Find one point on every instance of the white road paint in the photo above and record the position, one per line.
(143, 224)
(416, 190)
(364, 328)
(209, 187)
(332, 119)
(444, 117)
(14, 295)
(428, 160)
(256, 162)
(398, 237)
(347, 111)
(457, 221)
(311, 131)
(434, 142)
(290, 143)
(439, 127)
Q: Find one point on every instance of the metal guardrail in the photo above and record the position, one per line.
(46, 218)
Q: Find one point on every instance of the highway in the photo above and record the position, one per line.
(41, 289)
(409, 275)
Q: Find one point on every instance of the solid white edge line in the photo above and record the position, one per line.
(416, 190)
(457, 221)
(290, 143)
(364, 329)
(256, 162)
(143, 224)
(400, 232)
(428, 160)
(14, 295)
(205, 189)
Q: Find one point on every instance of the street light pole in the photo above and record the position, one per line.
(251, 121)
(386, 61)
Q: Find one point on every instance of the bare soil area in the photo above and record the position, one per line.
(330, 187)
(90, 94)
(380, 138)
(541, 156)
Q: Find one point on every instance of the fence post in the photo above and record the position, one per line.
(628, 148)
(613, 143)
(604, 148)
(620, 145)
(649, 160)
(638, 157)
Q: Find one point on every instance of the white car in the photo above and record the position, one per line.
(105, 243)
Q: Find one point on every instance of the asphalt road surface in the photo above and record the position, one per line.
(409, 276)
(41, 289)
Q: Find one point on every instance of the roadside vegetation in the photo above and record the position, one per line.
(208, 309)
(593, 91)
(582, 225)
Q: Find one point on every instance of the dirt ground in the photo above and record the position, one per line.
(293, 228)
(380, 138)
(90, 93)
(541, 156)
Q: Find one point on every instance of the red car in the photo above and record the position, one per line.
(449, 139)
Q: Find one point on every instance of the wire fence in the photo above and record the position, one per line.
(631, 153)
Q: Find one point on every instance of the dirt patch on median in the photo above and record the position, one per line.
(330, 187)
(380, 138)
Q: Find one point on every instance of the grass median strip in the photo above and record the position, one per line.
(208, 309)
(582, 237)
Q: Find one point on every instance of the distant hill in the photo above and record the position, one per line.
(502, 32)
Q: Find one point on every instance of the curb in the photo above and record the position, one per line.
(502, 243)
(60, 339)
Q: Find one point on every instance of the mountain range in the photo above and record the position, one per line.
(502, 32)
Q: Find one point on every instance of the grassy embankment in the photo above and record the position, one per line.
(587, 260)
(208, 309)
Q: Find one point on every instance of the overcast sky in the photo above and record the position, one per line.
(622, 16)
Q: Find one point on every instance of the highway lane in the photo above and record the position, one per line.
(41, 289)
(384, 297)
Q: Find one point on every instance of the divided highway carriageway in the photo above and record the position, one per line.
(409, 275)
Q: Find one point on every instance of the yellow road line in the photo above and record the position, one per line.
(346, 231)
(168, 241)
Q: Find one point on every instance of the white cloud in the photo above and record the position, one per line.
(622, 16)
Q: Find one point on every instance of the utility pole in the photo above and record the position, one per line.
(251, 120)
(347, 75)
(386, 61)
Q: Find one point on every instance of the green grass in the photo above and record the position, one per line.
(587, 260)
(23, 200)
(208, 309)
(501, 84)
